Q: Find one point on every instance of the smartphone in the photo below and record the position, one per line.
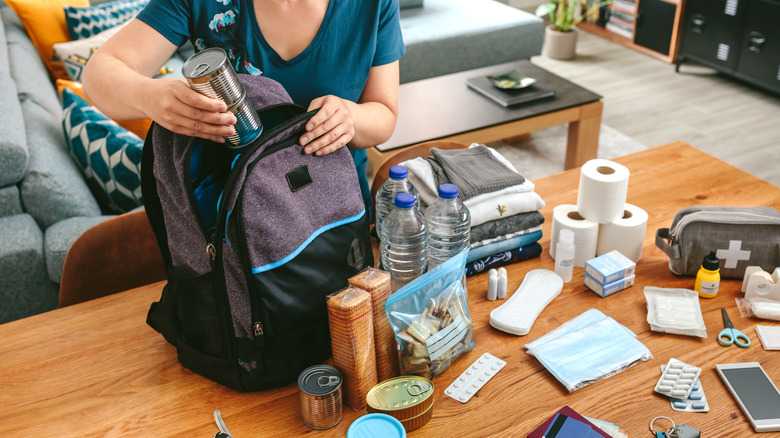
(754, 392)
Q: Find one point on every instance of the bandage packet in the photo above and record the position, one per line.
(674, 310)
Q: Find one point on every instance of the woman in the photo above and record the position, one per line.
(337, 55)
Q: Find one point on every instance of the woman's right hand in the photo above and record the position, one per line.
(179, 108)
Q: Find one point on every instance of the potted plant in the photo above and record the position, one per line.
(560, 38)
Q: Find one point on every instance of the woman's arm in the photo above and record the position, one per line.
(364, 124)
(118, 80)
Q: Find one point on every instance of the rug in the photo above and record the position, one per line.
(544, 153)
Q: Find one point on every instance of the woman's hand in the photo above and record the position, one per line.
(331, 128)
(177, 107)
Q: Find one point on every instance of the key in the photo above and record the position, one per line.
(685, 431)
(223, 430)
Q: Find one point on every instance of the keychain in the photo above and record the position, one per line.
(223, 430)
(676, 431)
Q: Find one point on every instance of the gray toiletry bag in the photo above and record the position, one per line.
(740, 236)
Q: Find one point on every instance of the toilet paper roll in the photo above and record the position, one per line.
(602, 191)
(626, 235)
(586, 233)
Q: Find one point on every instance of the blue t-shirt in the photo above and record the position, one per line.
(354, 36)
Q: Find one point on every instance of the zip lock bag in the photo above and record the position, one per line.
(253, 242)
(431, 319)
(740, 237)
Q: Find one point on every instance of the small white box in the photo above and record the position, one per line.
(609, 267)
(605, 290)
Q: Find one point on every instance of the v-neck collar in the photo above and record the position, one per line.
(312, 45)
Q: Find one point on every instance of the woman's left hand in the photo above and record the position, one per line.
(331, 128)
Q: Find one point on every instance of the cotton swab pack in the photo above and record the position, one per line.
(517, 315)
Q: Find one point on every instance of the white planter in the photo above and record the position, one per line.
(559, 45)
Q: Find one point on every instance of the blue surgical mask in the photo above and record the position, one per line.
(588, 348)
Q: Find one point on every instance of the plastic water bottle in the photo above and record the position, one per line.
(564, 255)
(449, 223)
(385, 196)
(404, 244)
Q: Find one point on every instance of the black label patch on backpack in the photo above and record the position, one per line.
(298, 178)
(356, 253)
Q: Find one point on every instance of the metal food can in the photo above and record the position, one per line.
(320, 396)
(407, 398)
(209, 73)
(248, 126)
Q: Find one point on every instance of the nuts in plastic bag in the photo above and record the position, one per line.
(431, 320)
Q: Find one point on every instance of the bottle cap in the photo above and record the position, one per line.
(376, 425)
(398, 172)
(566, 236)
(404, 200)
(711, 262)
(448, 191)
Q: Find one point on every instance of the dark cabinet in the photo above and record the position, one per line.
(655, 25)
(736, 37)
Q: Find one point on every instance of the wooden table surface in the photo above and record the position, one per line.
(97, 370)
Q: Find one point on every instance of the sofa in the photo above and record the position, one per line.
(45, 202)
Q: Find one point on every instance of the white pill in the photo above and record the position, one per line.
(678, 392)
(664, 388)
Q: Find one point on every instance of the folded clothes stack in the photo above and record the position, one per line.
(505, 220)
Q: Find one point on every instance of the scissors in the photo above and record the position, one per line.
(730, 335)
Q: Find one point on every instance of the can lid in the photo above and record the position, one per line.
(398, 172)
(404, 200)
(318, 380)
(204, 62)
(399, 393)
(448, 191)
(376, 426)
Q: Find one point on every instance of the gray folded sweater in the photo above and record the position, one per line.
(474, 170)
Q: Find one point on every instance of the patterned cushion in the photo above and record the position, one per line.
(44, 21)
(75, 54)
(138, 127)
(87, 22)
(108, 155)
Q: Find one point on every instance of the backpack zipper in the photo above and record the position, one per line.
(221, 224)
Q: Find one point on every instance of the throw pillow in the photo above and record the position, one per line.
(44, 21)
(108, 155)
(87, 22)
(75, 54)
(138, 127)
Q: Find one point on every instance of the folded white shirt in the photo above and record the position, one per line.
(519, 198)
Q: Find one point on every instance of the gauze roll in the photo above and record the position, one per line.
(586, 233)
(602, 191)
(626, 234)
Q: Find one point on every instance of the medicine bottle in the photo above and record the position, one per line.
(708, 277)
(564, 255)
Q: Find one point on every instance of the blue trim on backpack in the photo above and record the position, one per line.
(313, 236)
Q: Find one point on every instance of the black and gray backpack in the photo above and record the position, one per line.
(252, 243)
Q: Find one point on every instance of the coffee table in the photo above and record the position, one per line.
(444, 108)
(96, 369)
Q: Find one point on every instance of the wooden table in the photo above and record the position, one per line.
(444, 108)
(97, 370)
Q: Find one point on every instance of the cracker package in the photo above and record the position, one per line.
(377, 283)
(352, 341)
(431, 319)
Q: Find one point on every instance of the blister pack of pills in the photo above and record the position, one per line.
(695, 402)
(677, 379)
(474, 378)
